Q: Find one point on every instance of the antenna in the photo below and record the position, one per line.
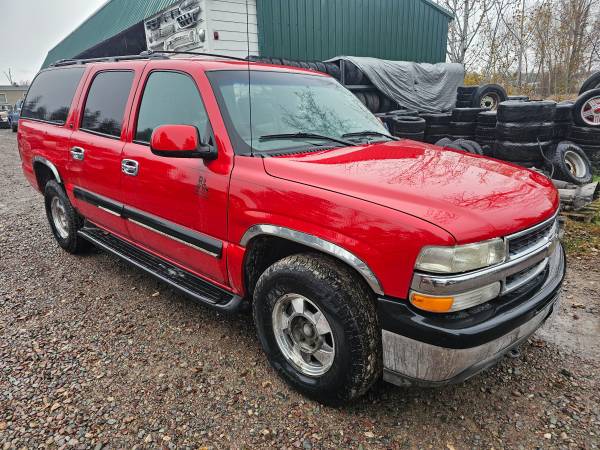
(249, 80)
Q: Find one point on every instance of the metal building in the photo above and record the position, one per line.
(412, 30)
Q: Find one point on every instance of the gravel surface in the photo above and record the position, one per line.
(94, 353)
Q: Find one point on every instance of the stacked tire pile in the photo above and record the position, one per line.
(585, 131)
(406, 124)
(485, 133)
(463, 123)
(487, 96)
(437, 126)
(319, 66)
(563, 120)
(524, 131)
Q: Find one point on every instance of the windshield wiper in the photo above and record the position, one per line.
(272, 137)
(370, 133)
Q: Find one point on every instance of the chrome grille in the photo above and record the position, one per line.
(525, 241)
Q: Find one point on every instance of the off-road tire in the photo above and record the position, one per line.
(466, 114)
(593, 82)
(444, 142)
(563, 112)
(521, 112)
(408, 124)
(487, 118)
(522, 151)
(494, 91)
(463, 128)
(525, 132)
(435, 119)
(584, 135)
(568, 159)
(466, 145)
(349, 307)
(579, 106)
(442, 130)
(73, 243)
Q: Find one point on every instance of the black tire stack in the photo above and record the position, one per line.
(437, 126)
(464, 96)
(408, 127)
(563, 120)
(487, 96)
(583, 132)
(524, 130)
(485, 133)
(463, 123)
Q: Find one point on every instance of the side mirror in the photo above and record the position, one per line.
(180, 141)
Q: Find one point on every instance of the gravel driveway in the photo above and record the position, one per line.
(94, 353)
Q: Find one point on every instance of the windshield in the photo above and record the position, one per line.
(280, 103)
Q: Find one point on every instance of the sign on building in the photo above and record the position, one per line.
(219, 26)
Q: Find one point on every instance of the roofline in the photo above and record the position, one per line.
(96, 11)
(440, 8)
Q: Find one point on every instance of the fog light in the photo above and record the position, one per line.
(451, 303)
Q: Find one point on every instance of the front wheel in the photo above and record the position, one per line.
(64, 220)
(317, 323)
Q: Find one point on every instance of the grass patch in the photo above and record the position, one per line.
(582, 239)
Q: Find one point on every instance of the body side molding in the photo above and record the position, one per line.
(52, 167)
(319, 244)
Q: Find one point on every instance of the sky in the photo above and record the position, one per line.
(32, 27)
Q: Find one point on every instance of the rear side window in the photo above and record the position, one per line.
(170, 98)
(105, 103)
(50, 95)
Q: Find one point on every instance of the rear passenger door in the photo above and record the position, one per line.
(96, 146)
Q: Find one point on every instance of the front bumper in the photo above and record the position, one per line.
(435, 349)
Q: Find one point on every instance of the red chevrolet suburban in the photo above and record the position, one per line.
(262, 186)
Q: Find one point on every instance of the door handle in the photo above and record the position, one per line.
(77, 153)
(130, 167)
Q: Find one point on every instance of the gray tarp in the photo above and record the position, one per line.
(420, 86)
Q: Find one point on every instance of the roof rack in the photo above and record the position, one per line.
(70, 62)
(147, 54)
(150, 53)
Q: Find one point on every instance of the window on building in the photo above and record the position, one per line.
(105, 103)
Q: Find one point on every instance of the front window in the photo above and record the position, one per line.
(259, 105)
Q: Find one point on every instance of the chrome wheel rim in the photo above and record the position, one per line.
(59, 217)
(303, 334)
(490, 101)
(575, 164)
(590, 112)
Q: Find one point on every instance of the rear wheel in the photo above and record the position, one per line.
(317, 323)
(64, 220)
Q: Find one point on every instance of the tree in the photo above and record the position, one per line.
(469, 17)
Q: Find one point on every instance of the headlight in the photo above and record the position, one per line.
(461, 258)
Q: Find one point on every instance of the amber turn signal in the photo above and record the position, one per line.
(432, 304)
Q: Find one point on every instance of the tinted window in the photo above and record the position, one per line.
(105, 103)
(288, 103)
(50, 96)
(170, 98)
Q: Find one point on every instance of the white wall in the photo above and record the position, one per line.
(234, 21)
(234, 25)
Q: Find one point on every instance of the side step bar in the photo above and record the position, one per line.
(182, 280)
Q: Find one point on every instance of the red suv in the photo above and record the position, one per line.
(274, 188)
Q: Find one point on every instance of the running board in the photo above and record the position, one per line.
(182, 280)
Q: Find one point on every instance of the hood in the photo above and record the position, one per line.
(472, 197)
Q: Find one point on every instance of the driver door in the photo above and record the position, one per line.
(177, 207)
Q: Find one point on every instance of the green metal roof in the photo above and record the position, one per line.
(109, 20)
